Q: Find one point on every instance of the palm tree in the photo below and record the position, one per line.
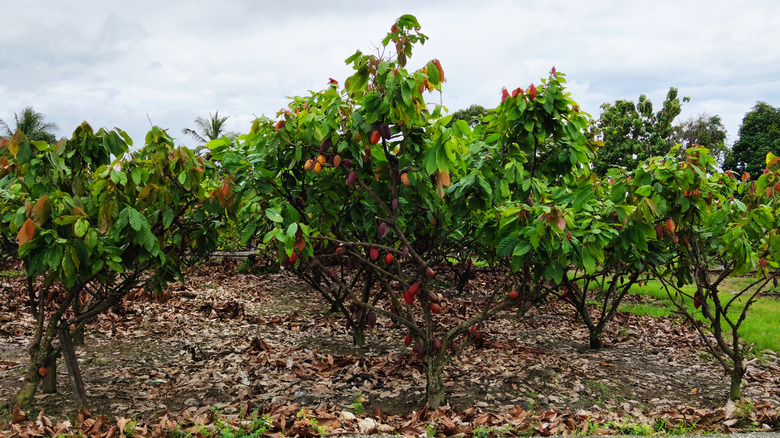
(32, 124)
(207, 129)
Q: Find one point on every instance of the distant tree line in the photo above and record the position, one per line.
(632, 131)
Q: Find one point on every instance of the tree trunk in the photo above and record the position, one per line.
(735, 392)
(595, 338)
(38, 357)
(359, 335)
(78, 336)
(29, 387)
(72, 363)
(434, 389)
(49, 383)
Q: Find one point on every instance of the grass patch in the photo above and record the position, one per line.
(759, 329)
(11, 274)
(656, 311)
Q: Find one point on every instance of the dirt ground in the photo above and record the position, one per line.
(238, 341)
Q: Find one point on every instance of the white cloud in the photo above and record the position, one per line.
(113, 63)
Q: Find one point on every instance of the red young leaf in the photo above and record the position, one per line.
(504, 94)
(532, 92)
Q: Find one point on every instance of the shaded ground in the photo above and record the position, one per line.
(243, 342)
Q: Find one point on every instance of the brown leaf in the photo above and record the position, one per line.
(561, 223)
(26, 232)
(43, 422)
(18, 415)
(300, 241)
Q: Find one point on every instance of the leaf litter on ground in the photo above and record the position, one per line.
(224, 349)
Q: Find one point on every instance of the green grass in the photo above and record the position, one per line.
(760, 328)
(646, 309)
(11, 274)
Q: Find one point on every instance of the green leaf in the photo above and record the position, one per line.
(618, 192)
(24, 155)
(291, 230)
(433, 73)
(80, 227)
(118, 178)
(557, 273)
(406, 92)
(136, 219)
(167, 218)
(274, 215)
(65, 220)
(506, 246)
(521, 250)
(644, 190)
(588, 262)
(115, 266)
(582, 197)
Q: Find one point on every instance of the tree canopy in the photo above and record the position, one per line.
(32, 125)
(472, 115)
(758, 136)
(632, 132)
(704, 130)
(207, 129)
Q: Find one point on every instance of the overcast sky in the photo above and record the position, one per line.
(123, 63)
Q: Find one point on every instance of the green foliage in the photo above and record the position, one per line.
(632, 132)
(357, 404)
(705, 131)
(759, 135)
(472, 115)
(129, 430)
(207, 129)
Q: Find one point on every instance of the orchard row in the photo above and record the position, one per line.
(365, 190)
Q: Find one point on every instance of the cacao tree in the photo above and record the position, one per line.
(707, 221)
(366, 189)
(564, 228)
(92, 222)
(585, 239)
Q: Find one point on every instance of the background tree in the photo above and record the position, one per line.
(704, 130)
(758, 136)
(632, 132)
(32, 125)
(472, 115)
(207, 129)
